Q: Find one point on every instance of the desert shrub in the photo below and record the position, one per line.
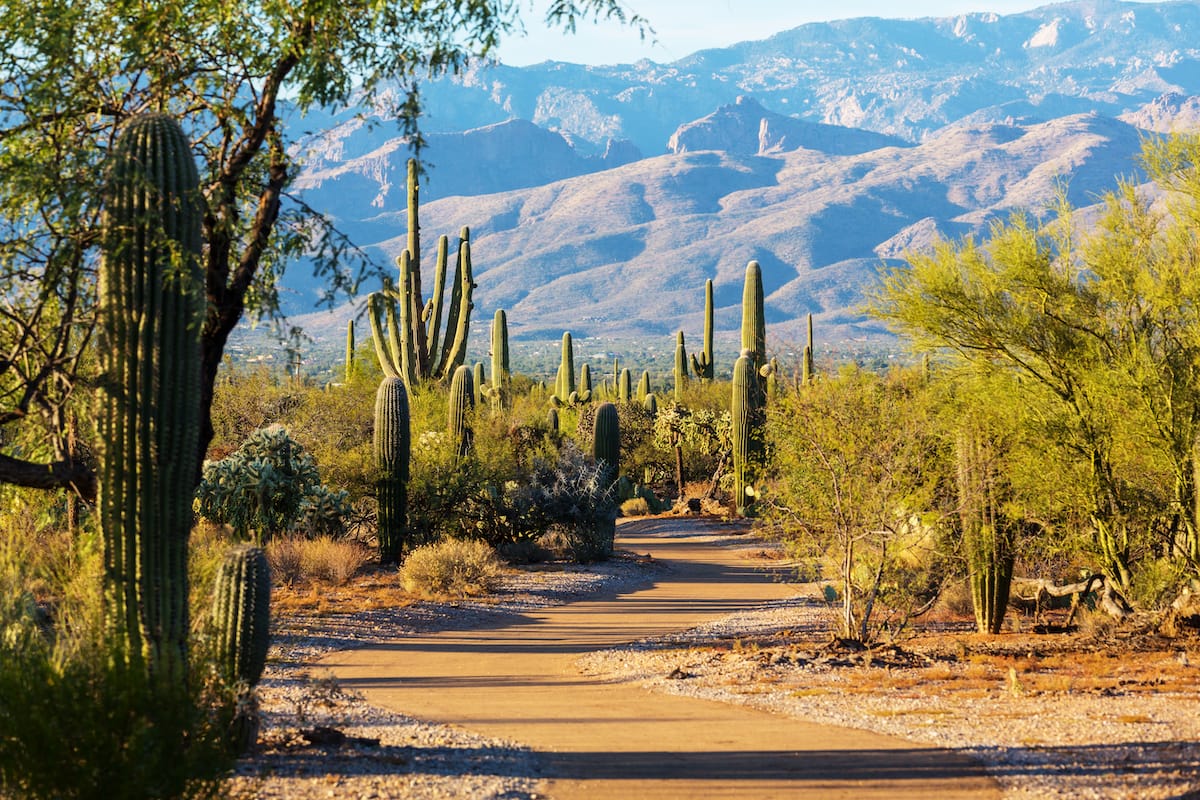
(570, 502)
(635, 507)
(451, 568)
(267, 486)
(323, 559)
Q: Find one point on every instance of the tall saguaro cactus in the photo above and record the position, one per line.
(745, 409)
(564, 384)
(350, 350)
(151, 307)
(702, 365)
(415, 348)
(809, 372)
(754, 324)
(606, 441)
(392, 448)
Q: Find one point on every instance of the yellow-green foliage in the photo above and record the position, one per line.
(452, 568)
(323, 559)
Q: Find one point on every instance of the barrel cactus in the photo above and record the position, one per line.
(392, 447)
(151, 309)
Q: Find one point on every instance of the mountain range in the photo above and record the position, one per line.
(601, 198)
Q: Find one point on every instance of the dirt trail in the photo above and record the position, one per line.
(517, 681)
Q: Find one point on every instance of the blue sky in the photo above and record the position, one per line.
(685, 26)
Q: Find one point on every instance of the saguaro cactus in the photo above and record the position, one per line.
(625, 385)
(606, 441)
(643, 387)
(241, 614)
(350, 350)
(564, 385)
(151, 307)
(480, 383)
(392, 448)
(745, 412)
(754, 325)
(809, 373)
(703, 365)
(584, 392)
(459, 407)
(681, 373)
(988, 536)
(415, 347)
(501, 376)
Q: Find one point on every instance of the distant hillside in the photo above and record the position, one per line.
(825, 153)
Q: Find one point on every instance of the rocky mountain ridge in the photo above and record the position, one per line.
(825, 153)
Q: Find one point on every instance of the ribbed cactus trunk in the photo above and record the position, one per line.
(392, 448)
(744, 413)
(606, 450)
(501, 377)
(460, 405)
(566, 370)
(350, 350)
(703, 364)
(151, 308)
(625, 386)
(606, 441)
(480, 383)
(988, 537)
(643, 387)
(552, 420)
(754, 323)
(681, 369)
(241, 614)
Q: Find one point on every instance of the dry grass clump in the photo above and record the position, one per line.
(635, 507)
(451, 568)
(322, 559)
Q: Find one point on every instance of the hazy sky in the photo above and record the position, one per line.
(685, 26)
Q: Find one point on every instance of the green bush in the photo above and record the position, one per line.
(451, 568)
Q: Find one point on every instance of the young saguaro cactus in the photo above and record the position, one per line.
(809, 373)
(681, 369)
(392, 448)
(606, 441)
(745, 412)
(459, 407)
(564, 385)
(625, 385)
(988, 536)
(241, 614)
(350, 350)
(151, 308)
(702, 365)
(501, 377)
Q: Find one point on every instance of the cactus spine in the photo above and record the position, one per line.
(703, 365)
(681, 369)
(241, 614)
(392, 447)
(151, 308)
(415, 347)
(744, 412)
(461, 404)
